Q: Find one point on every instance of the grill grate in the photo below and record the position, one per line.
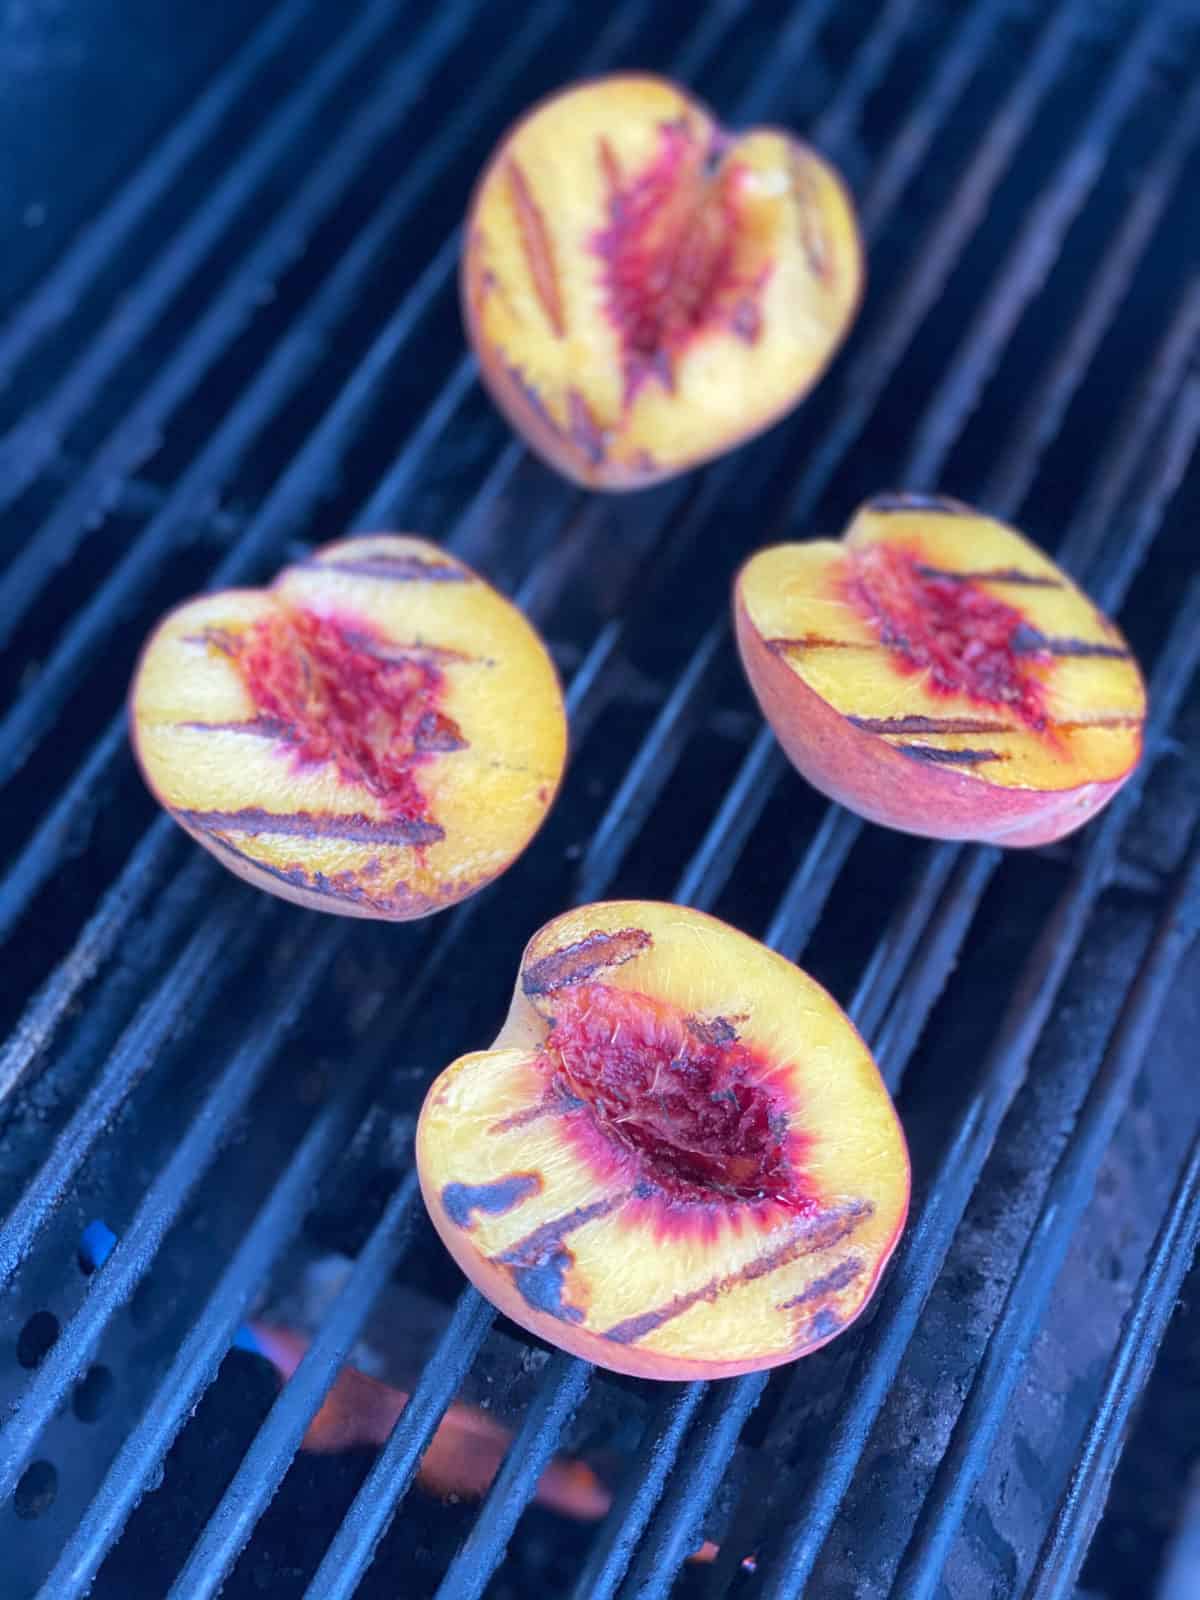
(204, 1067)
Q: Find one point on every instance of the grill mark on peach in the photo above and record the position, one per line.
(1028, 580)
(842, 1275)
(538, 247)
(559, 1103)
(917, 724)
(460, 1200)
(939, 504)
(256, 727)
(824, 1324)
(949, 758)
(398, 569)
(355, 827)
(583, 429)
(818, 641)
(935, 725)
(813, 238)
(343, 886)
(1027, 640)
(538, 1264)
(576, 963)
(532, 397)
(822, 1235)
(712, 1030)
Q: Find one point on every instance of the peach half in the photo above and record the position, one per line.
(378, 733)
(936, 673)
(678, 1158)
(645, 290)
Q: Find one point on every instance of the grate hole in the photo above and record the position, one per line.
(93, 1394)
(36, 1337)
(34, 1495)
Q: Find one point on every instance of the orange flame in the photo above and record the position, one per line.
(464, 1454)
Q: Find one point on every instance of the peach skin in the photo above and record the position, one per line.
(936, 673)
(645, 290)
(378, 734)
(678, 1158)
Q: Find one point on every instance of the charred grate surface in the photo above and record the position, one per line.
(245, 342)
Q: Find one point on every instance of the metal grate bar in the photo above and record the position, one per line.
(650, 770)
(212, 1332)
(1063, 1206)
(61, 289)
(25, 450)
(1047, 405)
(197, 970)
(922, 1251)
(640, 1493)
(277, 1441)
(867, 375)
(736, 819)
(163, 1202)
(894, 952)
(1150, 1311)
(833, 128)
(96, 942)
(389, 1479)
(558, 1397)
(674, 1531)
(1034, 251)
(959, 64)
(299, 353)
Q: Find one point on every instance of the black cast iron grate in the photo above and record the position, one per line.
(253, 343)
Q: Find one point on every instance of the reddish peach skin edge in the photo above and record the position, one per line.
(494, 1284)
(544, 438)
(862, 772)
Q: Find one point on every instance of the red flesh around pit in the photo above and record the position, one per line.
(337, 694)
(963, 638)
(692, 1102)
(668, 252)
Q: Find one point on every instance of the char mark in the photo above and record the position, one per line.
(556, 1103)
(844, 1273)
(355, 827)
(583, 430)
(1015, 575)
(460, 1200)
(538, 1264)
(1027, 640)
(821, 1235)
(397, 569)
(255, 727)
(817, 641)
(538, 247)
(712, 1030)
(823, 1325)
(929, 725)
(938, 757)
(578, 962)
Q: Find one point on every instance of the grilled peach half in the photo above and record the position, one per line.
(678, 1158)
(378, 733)
(645, 290)
(935, 672)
